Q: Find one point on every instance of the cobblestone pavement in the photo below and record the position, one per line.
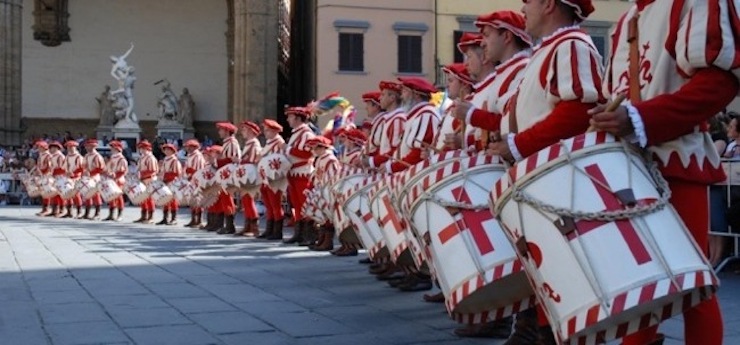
(83, 282)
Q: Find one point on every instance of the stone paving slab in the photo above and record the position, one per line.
(81, 282)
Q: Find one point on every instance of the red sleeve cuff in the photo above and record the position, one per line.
(485, 120)
(568, 119)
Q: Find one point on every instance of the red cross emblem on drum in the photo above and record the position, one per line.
(612, 202)
(240, 172)
(275, 164)
(472, 220)
(225, 173)
(391, 216)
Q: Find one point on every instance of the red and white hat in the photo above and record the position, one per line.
(389, 85)
(144, 144)
(507, 20)
(469, 39)
(71, 143)
(116, 144)
(227, 126)
(319, 140)
(372, 96)
(419, 85)
(41, 144)
(216, 149)
(582, 8)
(298, 111)
(357, 136)
(251, 125)
(367, 125)
(460, 72)
(192, 143)
(272, 124)
(169, 146)
(56, 143)
(91, 142)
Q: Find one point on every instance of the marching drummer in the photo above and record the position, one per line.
(327, 165)
(75, 167)
(354, 145)
(43, 168)
(214, 221)
(689, 58)
(94, 166)
(230, 153)
(116, 169)
(272, 199)
(58, 168)
(193, 163)
(301, 168)
(459, 86)
(250, 155)
(171, 170)
(388, 127)
(148, 168)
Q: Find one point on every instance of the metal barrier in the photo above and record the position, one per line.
(732, 170)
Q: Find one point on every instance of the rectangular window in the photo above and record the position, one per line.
(351, 52)
(456, 52)
(409, 54)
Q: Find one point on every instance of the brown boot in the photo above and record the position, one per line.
(348, 251)
(198, 220)
(83, 216)
(120, 215)
(209, 222)
(255, 228)
(54, 211)
(228, 227)
(320, 235)
(218, 222)
(500, 329)
(269, 227)
(173, 219)
(110, 215)
(44, 211)
(165, 215)
(527, 330)
(327, 242)
(143, 217)
(310, 234)
(277, 230)
(192, 220)
(67, 213)
(95, 216)
(297, 233)
(149, 217)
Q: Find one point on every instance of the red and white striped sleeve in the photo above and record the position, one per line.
(394, 131)
(575, 73)
(708, 36)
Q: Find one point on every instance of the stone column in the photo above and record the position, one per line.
(255, 60)
(10, 72)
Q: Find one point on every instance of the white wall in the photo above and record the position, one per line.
(182, 40)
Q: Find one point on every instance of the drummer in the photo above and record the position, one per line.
(43, 168)
(94, 166)
(250, 155)
(193, 163)
(301, 168)
(459, 86)
(148, 168)
(327, 166)
(171, 170)
(230, 153)
(272, 199)
(693, 76)
(75, 167)
(213, 220)
(116, 169)
(354, 145)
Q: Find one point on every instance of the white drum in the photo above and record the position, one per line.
(392, 225)
(357, 208)
(247, 179)
(160, 193)
(273, 170)
(606, 253)
(314, 206)
(475, 265)
(225, 176)
(87, 186)
(345, 181)
(136, 191)
(66, 187)
(109, 190)
(31, 183)
(180, 188)
(48, 187)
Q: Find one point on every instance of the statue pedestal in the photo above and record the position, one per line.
(173, 130)
(104, 132)
(128, 131)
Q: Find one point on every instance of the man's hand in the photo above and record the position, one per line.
(500, 148)
(460, 109)
(424, 154)
(616, 122)
(381, 169)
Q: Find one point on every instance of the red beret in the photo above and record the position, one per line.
(298, 111)
(272, 124)
(357, 136)
(215, 149)
(367, 125)
(507, 20)
(319, 140)
(71, 143)
(460, 72)
(144, 144)
(419, 85)
(469, 39)
(251, 125)
(91, 142)
(341, 131)
(372, 96)
(41, 144)
(169, 146)
(56, 143)
(192, 143)
(583, 8)
(227, 126)
(390, 85)
(116, 144)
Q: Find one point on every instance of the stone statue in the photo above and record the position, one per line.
(167, 102)
(187, 108)
(123, 97)
(105, 108)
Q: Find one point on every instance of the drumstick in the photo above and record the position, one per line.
(611, 107)
(397, 160)
(428, 147)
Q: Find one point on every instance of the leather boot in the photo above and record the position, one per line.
(341, 248)
(228, 227)
(495, 329)
(198, 220)
(54, 211)
(83, 216)
(310, 234)
(320, 236)
(110, 214)
(327, 242)
(95, 216)
(120, 215)
(218, 222)
(255, 228)
(143, 217)
(79, 211)
(192, 220)
(209, 222)
(165, 214)
(526, 329)
(297, 233)
(173, 219)
(348, 251)
(67, 214)
(44, 210)
(277, 230)
(269, 228)
(149, 217)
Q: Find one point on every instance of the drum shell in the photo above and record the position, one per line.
(357, 208)
(160, 193)
(65, 187)
(87, 186)
(136, 191)
(109, 190)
